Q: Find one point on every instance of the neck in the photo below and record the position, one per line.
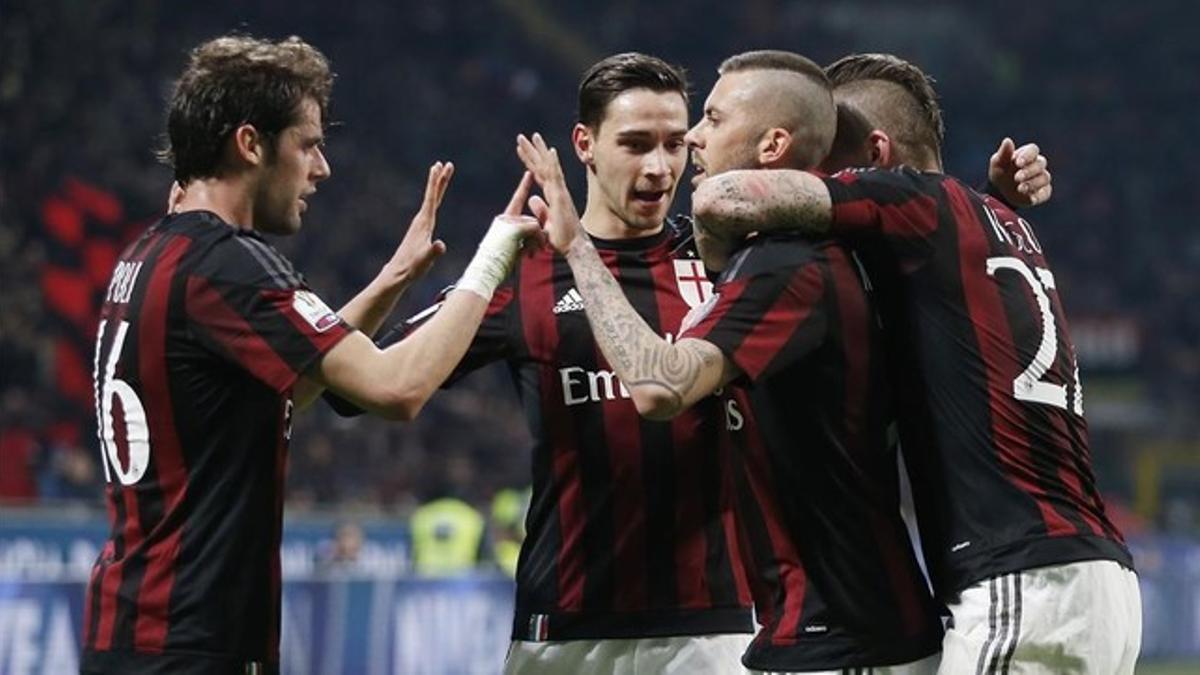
(921, 161)
(599, 221)
(230, 199)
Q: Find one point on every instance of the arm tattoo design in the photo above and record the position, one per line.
(635, 351)
(737, 203)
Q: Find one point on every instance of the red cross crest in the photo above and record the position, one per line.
(694, 286)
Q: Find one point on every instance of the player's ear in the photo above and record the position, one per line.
(880, 145)
(774, 146)
(247, 146)
(584, 141)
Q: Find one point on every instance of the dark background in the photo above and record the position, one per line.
(1108, 90)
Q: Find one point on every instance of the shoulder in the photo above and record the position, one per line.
(245, 258)
(768, 254)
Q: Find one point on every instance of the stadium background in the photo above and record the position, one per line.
(1107, 89)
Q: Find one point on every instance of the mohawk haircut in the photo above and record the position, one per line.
(896, 97)
(773, 59)
(797, 97)
(612, 76)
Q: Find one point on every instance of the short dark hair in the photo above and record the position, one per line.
(234, 80)
(800, 100)
(773, 59)
(895, 95)
(612, 76)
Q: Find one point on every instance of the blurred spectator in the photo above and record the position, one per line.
(507, 527)
(447, 537)
(343, 552)
(69, 473)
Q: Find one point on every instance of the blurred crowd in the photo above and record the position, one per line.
(1107, 94)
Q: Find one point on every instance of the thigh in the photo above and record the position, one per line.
(697, 654)
(581, 657)
(1076, 618)
(926, 666)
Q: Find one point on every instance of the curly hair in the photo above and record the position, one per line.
(234, 80)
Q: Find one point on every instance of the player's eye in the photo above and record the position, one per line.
(637, 146)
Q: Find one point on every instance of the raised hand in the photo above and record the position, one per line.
(418, 250)
(1020, 174)
(556, 212)
(527, 226)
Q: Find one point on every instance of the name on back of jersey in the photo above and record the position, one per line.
(120, 289)
(1016, 233)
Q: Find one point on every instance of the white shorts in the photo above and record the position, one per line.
(926, 666)
(1083, 617)
(699, 654)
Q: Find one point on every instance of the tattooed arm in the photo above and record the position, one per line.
(663, 379)
(733, 204)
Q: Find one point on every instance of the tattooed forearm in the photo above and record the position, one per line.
(736, 203)
(640, 357)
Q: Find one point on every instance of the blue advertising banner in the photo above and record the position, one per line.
(330, 626)
(370, 616)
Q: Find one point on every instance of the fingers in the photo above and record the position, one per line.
(1005, 152)
(519, 196)
(1026, 154)
(540, 159)
(436, 184)
(443, 182)
(1035, 169)
(1037, 188)
(528, 225)
(1042, 195)
(1035, 182)
(540, 209)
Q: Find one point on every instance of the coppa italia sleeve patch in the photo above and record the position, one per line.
(314, 311)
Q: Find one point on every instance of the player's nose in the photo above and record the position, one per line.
(321, 168)
(656, 163)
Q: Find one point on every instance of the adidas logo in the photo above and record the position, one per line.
(572, 301)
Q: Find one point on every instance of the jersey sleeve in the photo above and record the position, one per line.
(766, 320)
(888, 203)
(253, 309)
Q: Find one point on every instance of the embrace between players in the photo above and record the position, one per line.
(751, 456)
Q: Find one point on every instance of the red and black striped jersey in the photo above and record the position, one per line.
(203, 333)
(986, 380)
(835, 580)
(629, 531)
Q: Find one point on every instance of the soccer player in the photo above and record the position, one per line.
(630, 562)
(207, 339)
(1015, 534)
(835, 581)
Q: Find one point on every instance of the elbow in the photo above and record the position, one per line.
(656, 403)
(403, 405)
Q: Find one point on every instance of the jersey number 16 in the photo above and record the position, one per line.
(109, 390)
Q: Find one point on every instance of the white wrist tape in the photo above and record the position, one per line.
(494, 258)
